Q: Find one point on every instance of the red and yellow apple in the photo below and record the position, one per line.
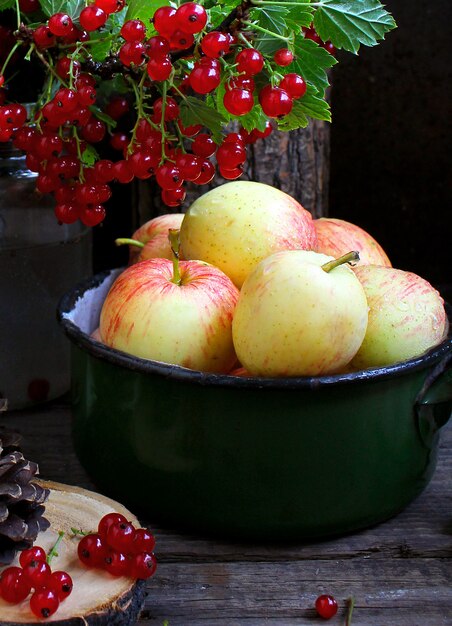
(299, 314)
(154, 235)
(336, 237)
(406, 316)
(187, 322)
(236, 225)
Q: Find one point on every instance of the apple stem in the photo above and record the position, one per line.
(173, 236)
(129, 242)
(346, 258)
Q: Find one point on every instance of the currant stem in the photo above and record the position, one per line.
(254, 26)
(346, 258)
(123, 241)
(351, 606)
(8, 58)
(53, 550)
(173, 236)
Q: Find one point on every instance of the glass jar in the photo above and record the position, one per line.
(39, 261)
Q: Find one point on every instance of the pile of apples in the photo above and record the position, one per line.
(260, 288)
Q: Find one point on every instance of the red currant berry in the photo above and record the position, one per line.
(63, 67)
(283, 57)
(241, 82)
(181, 41)
(215, 44)
(173, 198)
(203, 145)
(37, 573)
(204, 78)
(44, 602)
(65, 194)
(231, 174)
(132, 52)
(250, 61)
(122, 172)
(108, 520)
(66, 99)
(91, 550)
(94, 131)
(329, 47)
(234, 138)
(294, 85)
(143, 540)
(60, 24)
(116, 563)
(67, 213)
(19, 114)
(24, 137)
(119, 141)
(120, 537)
(104, 170)
(46, 184)
(310, 33)
(189, 131)
(110, 6)
(238, 101)
(275, 101)
(164, 21)
(326, 606)
(158, 46)
(86, 95)
(142, 163)
(14, 586)
(29, 6)
(231, 155)
(207, 173)
(85, 79)
(117, 107)
(168, 176)
(191, 17)
(43, 37)
(190, 168)
(171, 110)
(92, 17)
(143, 565)
(2, 80)
(159, 68)
(92, 215)
(61, 583)
(133, 30)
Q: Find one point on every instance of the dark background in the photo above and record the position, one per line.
(390, 139)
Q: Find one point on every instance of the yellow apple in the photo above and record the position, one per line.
(406, 316)
(336, 237)
(299, 315)
(236, 225)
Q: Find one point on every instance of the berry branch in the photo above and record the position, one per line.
(161, 87)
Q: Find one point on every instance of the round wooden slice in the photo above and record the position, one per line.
(98, 598)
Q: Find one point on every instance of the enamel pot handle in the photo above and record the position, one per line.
(433, 406)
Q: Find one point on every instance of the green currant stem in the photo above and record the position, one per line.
(141, 114)
(173, 236)
(49, 67)
(346, 258)
(18, 14)
(351, 606)
(162, 121)
(8, 58)
(123, 241)
(53, 551)
(78, 532)
(79, 152)
(254, 26)
(88, 43)
(259, 3)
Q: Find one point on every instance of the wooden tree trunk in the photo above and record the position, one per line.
(295, 162)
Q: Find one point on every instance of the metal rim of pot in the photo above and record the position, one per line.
(67, 303)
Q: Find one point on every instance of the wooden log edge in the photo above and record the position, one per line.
(97, 599)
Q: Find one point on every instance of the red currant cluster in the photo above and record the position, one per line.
(119, 548)
(35, 576)
(177, 60)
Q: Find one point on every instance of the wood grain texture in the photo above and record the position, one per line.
(399, 572)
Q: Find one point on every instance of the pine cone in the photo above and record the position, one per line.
(21, 500)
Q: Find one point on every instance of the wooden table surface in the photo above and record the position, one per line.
(399, 572)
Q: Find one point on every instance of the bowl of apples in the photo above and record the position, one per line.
(260, 381)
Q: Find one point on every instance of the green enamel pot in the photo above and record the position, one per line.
(291, 458)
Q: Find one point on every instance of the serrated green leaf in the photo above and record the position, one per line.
(311, 62)
(71, 7)
(219, 95)
(301, 14)
(6, 4)
(347, 24)
(271, 18)
(195, 111)
(99, 51)
(310, 106)
(89, 155)
(256, 118)
(144, 9)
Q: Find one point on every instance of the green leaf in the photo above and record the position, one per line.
(6, 4)
(89, 155)
(194, 111)
(256, 118)
(301, 14)
(144, 9)
(311, 105)
(272, 18)
(347, 24)
(100, 50)
(111, 123)
(71, 7)
(311, 62)
(219, 95)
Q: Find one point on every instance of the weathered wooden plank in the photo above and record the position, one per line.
(397, 593)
